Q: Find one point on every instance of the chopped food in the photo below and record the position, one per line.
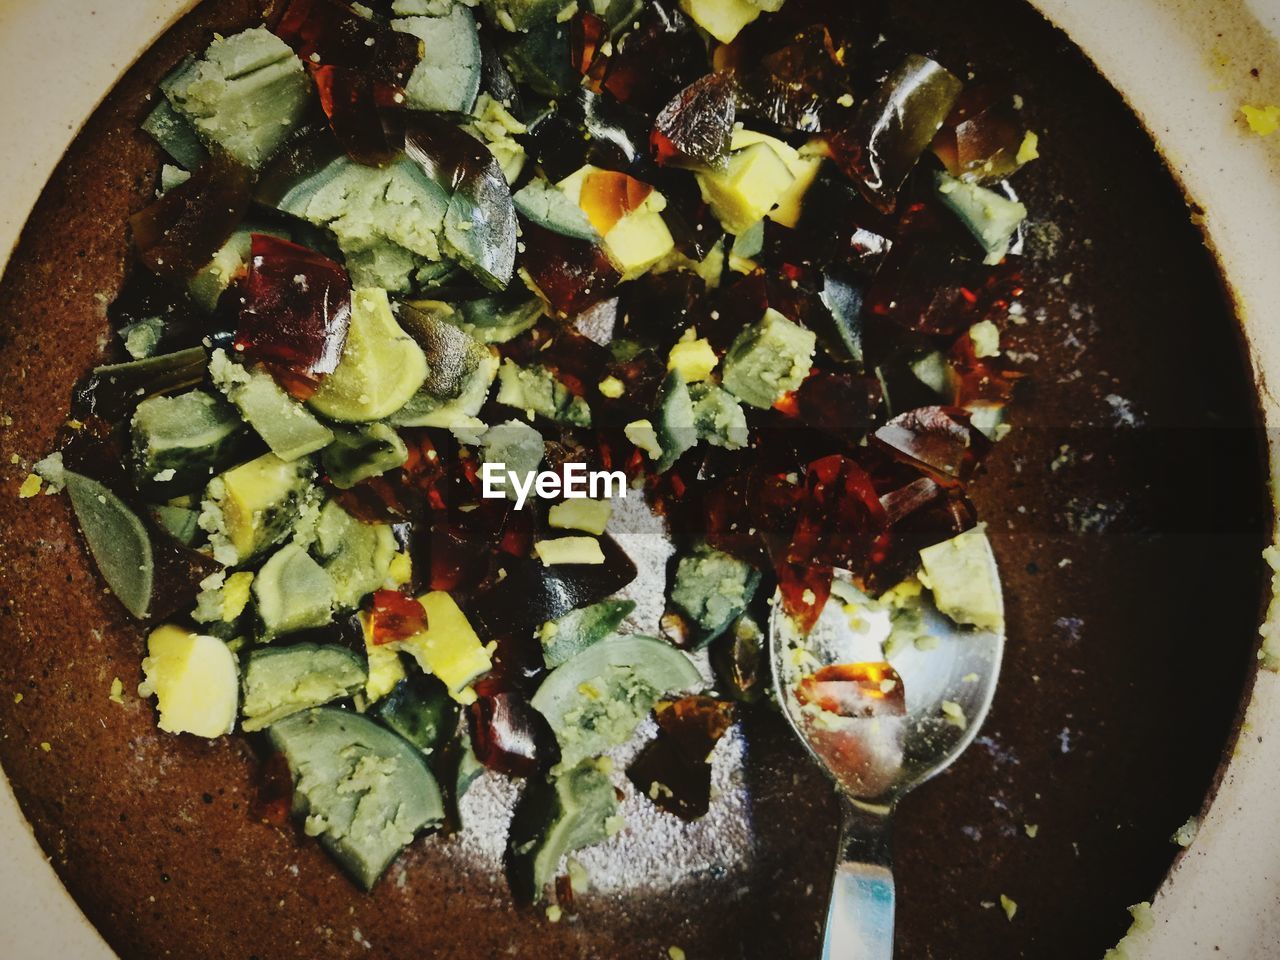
(414, 267)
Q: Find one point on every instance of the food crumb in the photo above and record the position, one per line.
(675, 953)
(1009, 905)
(954, 714)
(117, 691)
(46, 746)
(17, 698)
(554, 913)
(1032, 829)
(1028, 150)
(1185, 835)
(1262, 120)
(30, 487)
(1143, 921)
(579, 879)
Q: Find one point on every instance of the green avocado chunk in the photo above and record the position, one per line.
(497, 319)
(548, 206)
(596, 700)
(555, 817)
(292, 593)
(992, 218)
(287, 427)
(535, 390)
(768, 360)
(178, 441)
(518, 16)
(117, 540)
(361, 790)
(172, 131)
(718, 417)
(713, 589)
(515, 447)
(181, 523)
(281, 681)
(365, 452)
(381, 366)
(565, 638)
(246, 95)
(357, 556)
(447, 78)
(387, 220)
(962, 574)
(420, 709)
(460, 370)
(675, 425)
(254, 506)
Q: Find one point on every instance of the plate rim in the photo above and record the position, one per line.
(1184, 87)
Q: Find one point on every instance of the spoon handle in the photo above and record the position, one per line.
(860, 916)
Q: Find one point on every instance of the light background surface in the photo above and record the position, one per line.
(1184, 66)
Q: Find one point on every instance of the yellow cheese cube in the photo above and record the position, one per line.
(448, 647)
(639, 240)
(723, 19)
(581, 513)
(235, 595)
(385, 668)
(694, 358)
(569, 550)
(752, 183)
(194, 680)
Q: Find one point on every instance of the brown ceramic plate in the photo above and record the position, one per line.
(1127, 509)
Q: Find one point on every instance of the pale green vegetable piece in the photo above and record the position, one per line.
(382, 367)
(117, 540)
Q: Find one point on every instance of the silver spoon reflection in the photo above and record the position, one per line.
(879, 722)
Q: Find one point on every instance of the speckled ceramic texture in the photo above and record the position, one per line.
(1127, 509)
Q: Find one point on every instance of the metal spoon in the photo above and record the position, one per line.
(911, 726)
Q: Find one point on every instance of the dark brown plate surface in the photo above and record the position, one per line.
(1127, 508)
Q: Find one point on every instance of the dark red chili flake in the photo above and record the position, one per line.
(571, 274)
(273, 794)
(656, 59)
(841, 519)
(351, 100)
(507, 733)
(799, 86)
(358, 64)
(696, 126)
(673, 770)
(564, 894)
(395, 616)
(577, 361)
(296, 312)
(179, 571)
(844, 405)
(805, 589)
(982, 135)
(179, 233)
(985, 381)
(938, 440)
(587, 34)
(696, 723)
(907, 499)
(330, 33)
(657, 307)
(855, 690)
(927, 285)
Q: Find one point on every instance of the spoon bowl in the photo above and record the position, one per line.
(883, 702)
